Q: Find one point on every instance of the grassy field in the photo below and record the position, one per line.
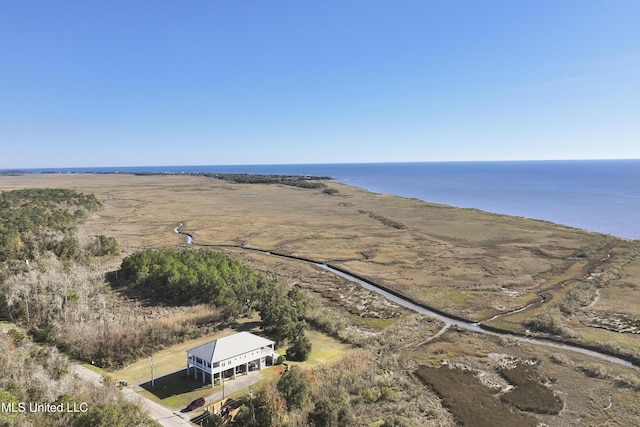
(165, 362)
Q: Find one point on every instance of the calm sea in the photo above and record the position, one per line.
(596, 195)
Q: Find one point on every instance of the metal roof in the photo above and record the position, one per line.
(227, 347)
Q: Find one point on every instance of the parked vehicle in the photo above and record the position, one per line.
(196, 404)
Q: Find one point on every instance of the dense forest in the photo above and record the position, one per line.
(39, 226)
(35, 221)
(46, 284)
(208, 277)
(303, 181)
(192, 276)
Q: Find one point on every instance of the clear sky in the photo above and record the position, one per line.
(210, 82)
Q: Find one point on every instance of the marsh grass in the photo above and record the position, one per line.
(470, 402)
(528, 394)
(142, 212)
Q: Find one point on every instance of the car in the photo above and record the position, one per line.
(196, 404)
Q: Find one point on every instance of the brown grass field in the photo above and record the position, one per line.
(464, 262)
(490, 259)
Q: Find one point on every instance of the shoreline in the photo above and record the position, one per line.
(442, 192)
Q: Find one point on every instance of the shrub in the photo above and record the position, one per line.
(17, 337)
(628, 380)
(387, 393)
(294, 387)
(330, 413)
(550, 321)
(369, 395)
(595, 370)
(300, 348)
(560, 359)
(397, 421)
(103, 245)
(579, 296)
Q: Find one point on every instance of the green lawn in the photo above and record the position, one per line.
(323, 348)
(175, 390)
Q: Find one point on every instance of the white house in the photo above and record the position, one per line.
(227, 356)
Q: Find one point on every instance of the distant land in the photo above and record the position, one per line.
(596, 195)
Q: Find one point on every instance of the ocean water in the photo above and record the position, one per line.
(596, 195)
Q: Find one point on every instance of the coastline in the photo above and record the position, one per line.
(593, 195)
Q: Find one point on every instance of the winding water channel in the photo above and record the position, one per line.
(418, 308)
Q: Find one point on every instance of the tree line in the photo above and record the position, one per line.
(43, 287)
(36, 224)
(303, 181)
(35, 221)
(195, 276)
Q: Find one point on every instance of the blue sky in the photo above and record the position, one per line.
(129, 83)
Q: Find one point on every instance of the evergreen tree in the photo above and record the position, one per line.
(300, 347)
(330, 413)
(294, 387)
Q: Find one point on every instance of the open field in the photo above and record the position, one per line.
(463, 262)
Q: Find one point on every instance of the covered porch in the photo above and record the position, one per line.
(217, 372)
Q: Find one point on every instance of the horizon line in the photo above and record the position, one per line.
(45, 168)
